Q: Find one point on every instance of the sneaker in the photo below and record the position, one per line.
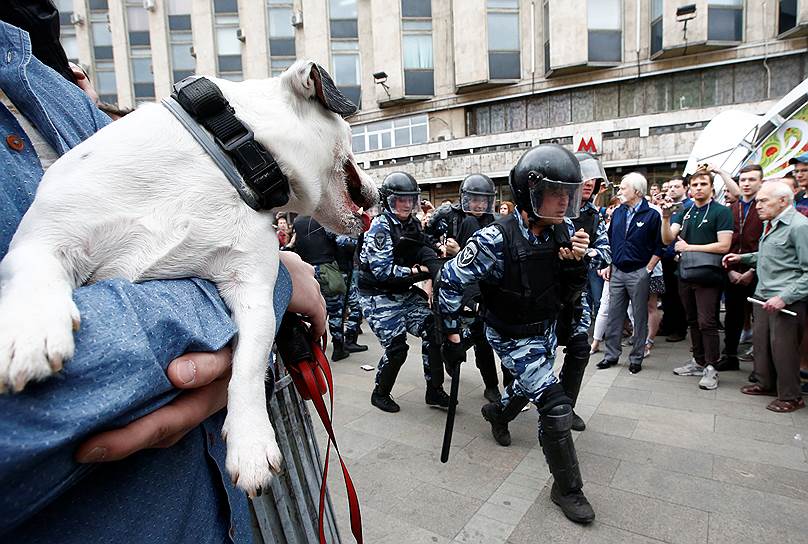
(746, 336)
(709, 380)
(692, 368)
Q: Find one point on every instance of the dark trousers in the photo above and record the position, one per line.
(701, 304)
(673, 320)
(776, 339)
(735, 305)
(483, 354)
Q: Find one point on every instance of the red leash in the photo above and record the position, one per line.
(310, 370)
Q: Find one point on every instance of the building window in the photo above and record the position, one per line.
(416, 25)
(183, 63)
(786, 15)
(546, 32)
(345, 48)
(137, 29)
(228, 46)
(503, 39)
(725, 20)
(656, 26)
(67, 32)
(604, 22)
(390, 133)
(101, 37)
(281, 36)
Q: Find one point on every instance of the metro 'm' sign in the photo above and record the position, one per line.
(590, 142)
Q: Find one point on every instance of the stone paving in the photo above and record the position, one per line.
(662, 460)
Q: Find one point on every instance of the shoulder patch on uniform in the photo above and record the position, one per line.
(467, 254)
(380, 238)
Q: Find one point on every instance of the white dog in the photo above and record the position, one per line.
(142, 200)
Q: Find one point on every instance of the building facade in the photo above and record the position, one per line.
(451, 87)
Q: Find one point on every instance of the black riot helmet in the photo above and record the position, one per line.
(399, 192)
(546, 182)
(477, 194)
(591, 169)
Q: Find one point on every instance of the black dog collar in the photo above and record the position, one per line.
(257, 177)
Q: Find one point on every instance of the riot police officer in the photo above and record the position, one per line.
(451, 226)
(575, 319)
(346, 254)
(394, 256)
(528, 265)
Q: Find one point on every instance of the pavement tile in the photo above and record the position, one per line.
(483, 530)
(437, 510)
(726, 529)
(712, 496)
(754, 410)
(785, 434)
(764, 477)
(722, 444)
(610, 424)
(670, 458)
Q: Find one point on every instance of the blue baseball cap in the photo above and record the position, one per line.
(799, 158)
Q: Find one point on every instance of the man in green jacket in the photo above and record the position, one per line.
(781, 263)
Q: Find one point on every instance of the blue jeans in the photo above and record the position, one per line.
(594, 290)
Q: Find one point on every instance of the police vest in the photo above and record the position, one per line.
(404, 254)
(527, 298)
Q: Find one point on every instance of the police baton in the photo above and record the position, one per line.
(450, 415)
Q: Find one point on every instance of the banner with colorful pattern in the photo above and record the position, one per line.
(788, 141)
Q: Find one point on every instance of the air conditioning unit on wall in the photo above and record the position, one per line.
(297, 19)
(76, 19)
(149, 5)
(241, 36)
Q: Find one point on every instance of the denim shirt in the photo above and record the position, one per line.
(129, 333)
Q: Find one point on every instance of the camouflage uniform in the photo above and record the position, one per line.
(354, 316)
(529, 359)
(335, 306)
(393, 314)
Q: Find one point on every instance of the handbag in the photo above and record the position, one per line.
(701, 267)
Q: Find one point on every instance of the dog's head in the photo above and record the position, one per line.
(298, 117)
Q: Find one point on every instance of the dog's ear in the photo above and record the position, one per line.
(312, 81)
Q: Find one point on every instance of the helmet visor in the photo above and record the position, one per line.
(403, 204)
(476, 203)
(592, 169)
(555, 199)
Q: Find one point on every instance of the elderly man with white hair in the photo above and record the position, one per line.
(634, 235)
(781, 263)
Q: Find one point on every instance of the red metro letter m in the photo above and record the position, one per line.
(589, 146)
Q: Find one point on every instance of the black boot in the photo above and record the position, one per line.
(576, 357)
(350, 343)
(577, 423)
(339, 353)
(492, 394)
(559, 451)
(383, 401)
(387, 374)
(499, 418)
(436, 396)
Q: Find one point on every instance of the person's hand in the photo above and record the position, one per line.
(730, 259)
(452, 247)
(681, 246)
(580, 243)
(747, 278)
(453, 352)
(605, 273)
(734, 276)
(774, 305)
(306, 297)
(667, 208)
(84, 82)
(204, 375)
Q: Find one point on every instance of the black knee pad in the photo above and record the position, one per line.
(397, 350)
(552, 397)
(557, 420)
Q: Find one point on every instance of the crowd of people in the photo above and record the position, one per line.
(571, 261)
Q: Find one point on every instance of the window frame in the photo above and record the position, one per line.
(714, 8)
(138, 52)
(282, 61)
(500, 10)
(220, 24)
(417, 72)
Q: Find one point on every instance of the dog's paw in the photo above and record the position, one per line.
(252, 454)
(36, 337)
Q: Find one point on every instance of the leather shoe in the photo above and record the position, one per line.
(634, 368)
(605, 363)
(573, 504)
(383, 402)
(675, 337)
(727, 363)
(577, 423)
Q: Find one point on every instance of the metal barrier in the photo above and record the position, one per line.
(287, 512)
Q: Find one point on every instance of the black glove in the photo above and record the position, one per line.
(453, 354)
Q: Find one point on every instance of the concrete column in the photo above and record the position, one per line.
(367, 52)
(386, 48)
(443, 57)
(255, 51)
(204, 41)
(161, 57)
(83, 35)
(569, 43)
(120, 55)
(315, 35)
(470, 42)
